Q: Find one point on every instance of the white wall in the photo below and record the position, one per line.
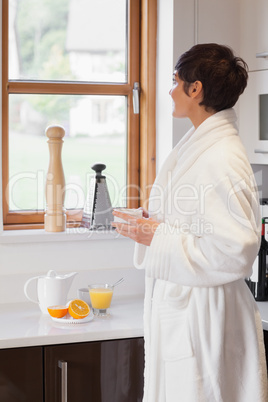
(175, 35)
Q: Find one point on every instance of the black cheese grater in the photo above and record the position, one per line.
(97, 212)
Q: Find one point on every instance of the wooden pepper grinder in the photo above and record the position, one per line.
(55, 216)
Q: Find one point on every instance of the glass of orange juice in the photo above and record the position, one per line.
(101, 297)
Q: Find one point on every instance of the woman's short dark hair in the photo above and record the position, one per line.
(223, 75)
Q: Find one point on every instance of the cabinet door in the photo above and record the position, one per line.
(254, 33)
(96, 371)
(218, 22)
(265, 334)
(21, 375)
(253, 117)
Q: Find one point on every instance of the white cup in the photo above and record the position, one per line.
(83, 294)
(137, 213)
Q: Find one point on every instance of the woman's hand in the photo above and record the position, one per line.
(141, 230)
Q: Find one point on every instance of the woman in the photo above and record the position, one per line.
(203, 332)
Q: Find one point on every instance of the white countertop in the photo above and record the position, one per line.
(263, 308)
(23, 324)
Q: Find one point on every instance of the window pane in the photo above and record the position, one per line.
(96, 131)
(77, 40)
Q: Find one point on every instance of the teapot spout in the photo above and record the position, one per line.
(71, 275)
(69, 278)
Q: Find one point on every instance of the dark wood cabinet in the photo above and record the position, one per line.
(21, 374)
(104, 371)
(265, 334)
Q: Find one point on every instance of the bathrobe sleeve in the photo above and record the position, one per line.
(224, 249)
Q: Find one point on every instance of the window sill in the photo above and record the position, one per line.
(71, 234)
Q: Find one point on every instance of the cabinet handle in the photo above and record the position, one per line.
(63, 366)
(260, 151)
(262, 55)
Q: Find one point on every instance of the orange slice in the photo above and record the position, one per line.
(57, 311)
(78, 309)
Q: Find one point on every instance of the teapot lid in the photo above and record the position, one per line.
(51, 274)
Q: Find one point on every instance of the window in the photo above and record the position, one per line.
(74, 63)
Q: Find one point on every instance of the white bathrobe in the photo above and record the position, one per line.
(203, 332)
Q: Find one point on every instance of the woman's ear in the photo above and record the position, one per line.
(196, 89)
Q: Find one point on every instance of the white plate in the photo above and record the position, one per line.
(70, 320)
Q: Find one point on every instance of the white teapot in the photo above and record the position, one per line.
(52, 289)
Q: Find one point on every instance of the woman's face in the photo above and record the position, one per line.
(181, 101)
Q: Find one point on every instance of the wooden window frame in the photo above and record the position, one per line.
(141, 129)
